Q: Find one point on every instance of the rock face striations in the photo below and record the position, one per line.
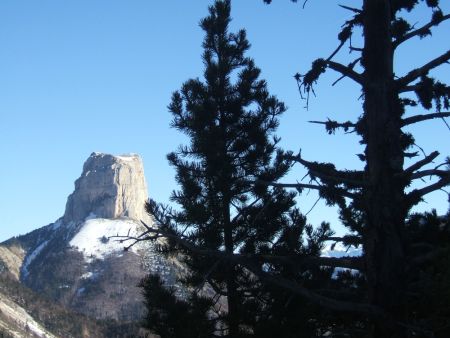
(109, 187)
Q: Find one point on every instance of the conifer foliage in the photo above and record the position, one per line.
(223, 217)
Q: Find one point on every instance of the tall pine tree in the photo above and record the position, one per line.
(223, 217)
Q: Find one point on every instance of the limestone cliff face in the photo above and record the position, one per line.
(109, 187)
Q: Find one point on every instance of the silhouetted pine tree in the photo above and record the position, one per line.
(224, 219)
(375, 202)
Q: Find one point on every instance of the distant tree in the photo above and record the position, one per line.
(223, 216)
(375, 202)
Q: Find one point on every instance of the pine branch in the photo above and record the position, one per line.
(326, 302)
(345, 71)
(283, 282)
(420, 31)
(347, 262)
(430, 256)
(419, 118)
(418, 72)
(421, 163)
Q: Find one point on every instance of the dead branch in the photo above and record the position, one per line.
(351, 9)
(346, 71)
(430, 172)
(420, 31)
(421, 163)
(416, 195)
(340, 177)
(418, 72)
(301, 186)
(419, 118)
(331, 125)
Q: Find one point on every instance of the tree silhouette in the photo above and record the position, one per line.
(375, 203)
(223, 217)
(229, 180)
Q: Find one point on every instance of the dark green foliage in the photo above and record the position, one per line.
(429, 275)
(226, 209)
(172, 317)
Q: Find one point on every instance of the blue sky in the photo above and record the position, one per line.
(83, 76)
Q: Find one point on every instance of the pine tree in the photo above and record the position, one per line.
(223, 216)
(375, 202)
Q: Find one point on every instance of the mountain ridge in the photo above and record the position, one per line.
(75, 263)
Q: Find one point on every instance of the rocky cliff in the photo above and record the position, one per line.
(76, 261)
(109, 187)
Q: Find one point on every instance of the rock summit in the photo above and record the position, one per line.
(109, 187)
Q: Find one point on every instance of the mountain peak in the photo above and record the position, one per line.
(109, 187)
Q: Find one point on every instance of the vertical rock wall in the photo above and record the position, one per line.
(109, 187)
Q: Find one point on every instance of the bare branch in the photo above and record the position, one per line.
(352, 9)
(336, 50)
(421, 163)
(331, 125)
(418, 72)
(430, 172)
(416, 195)
(346, 71)
(329, 173)
(341, 192)
(419, 118)
(420, 31)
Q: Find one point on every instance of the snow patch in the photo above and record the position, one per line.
(31, 257)
(57, 224)
(127, 157)
(90, 275)
(93, 238)
(87, 275)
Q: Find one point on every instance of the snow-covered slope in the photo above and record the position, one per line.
(82, 266)
(77, 262)
(95, 239)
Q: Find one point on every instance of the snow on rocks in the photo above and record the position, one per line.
(94, 237)
(31, 257)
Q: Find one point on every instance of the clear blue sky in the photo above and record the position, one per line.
(83, 76)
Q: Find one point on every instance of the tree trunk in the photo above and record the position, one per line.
(232, 297)
(384, 197)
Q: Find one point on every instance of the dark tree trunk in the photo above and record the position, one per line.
(232, 297)
(384, 197)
